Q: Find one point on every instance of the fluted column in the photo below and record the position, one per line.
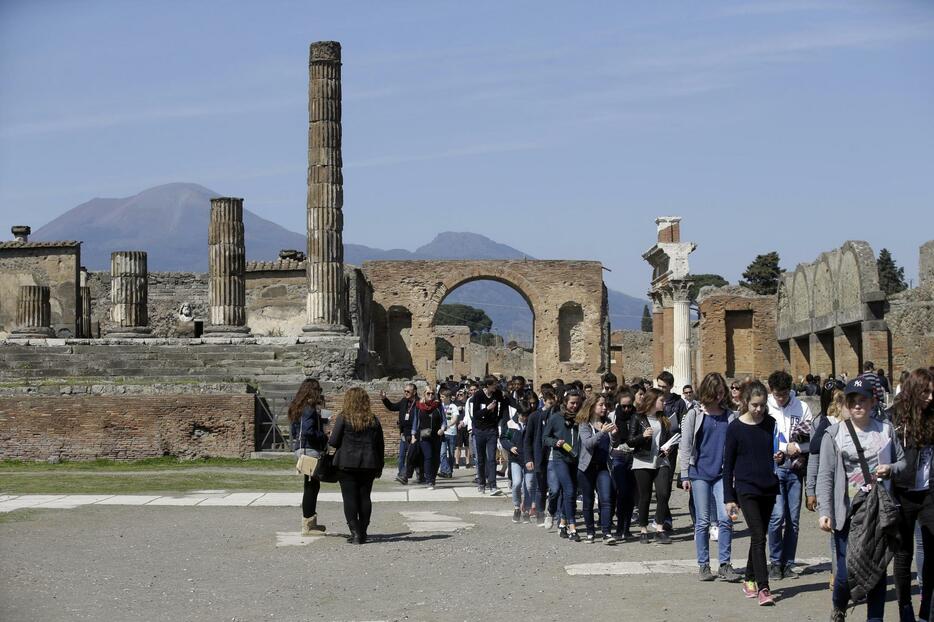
(325, 202)
(33, 313)
(84, 304)
(226, 269)
(682, 333)
(129, 294)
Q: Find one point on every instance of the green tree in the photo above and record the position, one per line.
(891, 277)
(703, 280)
(475, 319)
(443, 349)
(646, 319)
(763, 274)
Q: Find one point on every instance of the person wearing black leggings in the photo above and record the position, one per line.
(749, 480)
(307, 433)
(651, 438)
(358, 445)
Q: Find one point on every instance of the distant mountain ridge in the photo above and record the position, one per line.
(170, 222)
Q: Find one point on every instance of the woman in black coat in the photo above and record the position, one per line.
(358, 443)
(308, 437)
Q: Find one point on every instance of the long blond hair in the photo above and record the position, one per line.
(356, 409)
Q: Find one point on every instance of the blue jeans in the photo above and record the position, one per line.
(430, 449)
(531, 489)
(596, 479)
(403, 452)
(875, 600)
(447, 453)
(520, 489)
(625, 493)
(566, 474)
(555, 507)
(783, 525)
(486, 457)
(703, 491)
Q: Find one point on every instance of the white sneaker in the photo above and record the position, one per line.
(431, 486)
(714, 532)
(549, 522)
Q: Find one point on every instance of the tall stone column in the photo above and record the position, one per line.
(84, 304)
(682, 333)
(33, 313)
(226, 269)
(325, 264)
(129, 294)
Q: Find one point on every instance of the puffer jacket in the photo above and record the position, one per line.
(873, 540)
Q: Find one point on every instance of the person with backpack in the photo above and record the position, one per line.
(854, 454)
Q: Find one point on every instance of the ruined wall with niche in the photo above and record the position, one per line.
(631, 354)
(413, 290)
(54, 264)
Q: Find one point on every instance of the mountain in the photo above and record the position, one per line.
(170, 222)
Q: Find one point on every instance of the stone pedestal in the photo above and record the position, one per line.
(129, 294)
(682, 333)
(226, 270)
(325, 201)
(33, 313)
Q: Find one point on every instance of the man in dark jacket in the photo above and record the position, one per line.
(406, 409)
(536, 453)
(675, 408)
(488, 406)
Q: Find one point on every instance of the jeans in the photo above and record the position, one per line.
(540, 491)
(703, 492)
(448, 443)
(555, 507)
(756, 510)
(531, 490)
(919, 556)
(566, 474)
(783, 525)
(875, 600)
(520, 491)
(625, 493)
(310, 497)
(661, 478)
(356, 487)
(403, 452)
(916, 510)
(486, 457)
(596, 479)
(430, 447)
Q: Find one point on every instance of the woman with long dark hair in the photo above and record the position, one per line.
(307, 433)
(649, 436)
(913, 418)
(358, 441)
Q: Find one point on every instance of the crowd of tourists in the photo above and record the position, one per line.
(749, 450)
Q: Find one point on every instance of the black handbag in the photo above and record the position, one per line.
(325, 471)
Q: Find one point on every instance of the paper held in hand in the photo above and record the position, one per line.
(674, 440)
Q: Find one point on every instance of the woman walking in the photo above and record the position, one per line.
(561, 434)
(651, 439)
(703, 438)
(593, 473)
(913, 417)
(853, 455)
(427, 432)
(308, 437)
(749, 480)
(357, 439)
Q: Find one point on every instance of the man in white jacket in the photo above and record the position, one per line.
(792, 444)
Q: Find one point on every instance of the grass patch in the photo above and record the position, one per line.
(149, 464)
(18, 516)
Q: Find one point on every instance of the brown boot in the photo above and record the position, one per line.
(310, 526)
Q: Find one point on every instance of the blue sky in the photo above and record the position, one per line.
(562, 131)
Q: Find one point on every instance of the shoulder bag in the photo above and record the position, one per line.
(307, 458)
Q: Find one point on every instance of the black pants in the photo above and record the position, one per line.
(757, 509)
(356, 487)
(310, 497)
(486, 457)
(415, 462)
(431, 455)
(915, 506)
(661, 478)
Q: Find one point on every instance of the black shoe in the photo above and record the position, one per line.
(788, 573)
(644, 538)
(402, 480)
(516, 515)
(609, 539)
(704, 574)
(668, 528)
(562, 532)
(591, 538)
(573, 536)
(662, 538)
(775, 572)
(526, 518)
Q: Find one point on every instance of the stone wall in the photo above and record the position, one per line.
(126, 427)
(55, 264)
(631, 354)
(910, 318)
(737, 333)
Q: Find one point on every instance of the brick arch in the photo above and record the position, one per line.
(422, 286)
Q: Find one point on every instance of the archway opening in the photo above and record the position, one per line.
(490, 325)
(570, 333)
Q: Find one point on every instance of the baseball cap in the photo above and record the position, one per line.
(860, 386)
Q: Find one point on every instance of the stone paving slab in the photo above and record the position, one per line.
(278, 499)
(383, 497)
(128, 500)
(432, 495)
(236, 499)
(294, 538)
(187, 500)
(72, 501)
(26, 502)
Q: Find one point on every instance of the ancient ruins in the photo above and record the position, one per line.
(130, 363)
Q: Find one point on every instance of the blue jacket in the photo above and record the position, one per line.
(534, 449)
(311, 427)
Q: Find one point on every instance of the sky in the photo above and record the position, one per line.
(564, 132)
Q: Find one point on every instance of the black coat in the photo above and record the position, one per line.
(533, 445)
(363, 450)
(511, 436)
(431, 421)
(404, 407)
(640, 443)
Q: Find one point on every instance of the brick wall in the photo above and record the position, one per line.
(126, 427)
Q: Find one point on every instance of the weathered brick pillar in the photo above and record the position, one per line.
(226, 269)
(84, 304)
(325, 264)
(821, 356)
(875, 337)
(846, 352)
(33, 313)
(129, 294)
